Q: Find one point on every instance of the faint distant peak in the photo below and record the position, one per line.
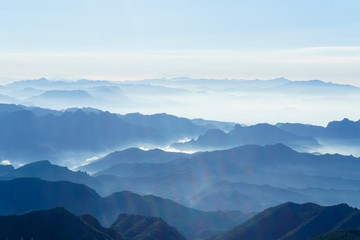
(344, 123)
(320, 83)
(39, 80)
(39, 163)
(65, 93)
(84, 109)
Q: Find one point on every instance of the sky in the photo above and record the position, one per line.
(137, 39)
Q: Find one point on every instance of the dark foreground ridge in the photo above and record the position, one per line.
(54, 224)
(290, 221)
(60, 224)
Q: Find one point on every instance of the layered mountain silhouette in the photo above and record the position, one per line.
(163, 95)
(252, 175)
(233, 161)
(294, 221)
(286, 221)
(54, 135)
(248, 178)
(27, 136)
(24, 194)
(260, 134)
(60, 224)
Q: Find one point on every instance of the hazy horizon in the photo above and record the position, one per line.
(242, 101)
(127, 40)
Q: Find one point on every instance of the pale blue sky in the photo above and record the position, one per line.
(134, 39)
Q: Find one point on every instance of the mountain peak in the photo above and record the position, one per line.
(145, 227)
(39, 163)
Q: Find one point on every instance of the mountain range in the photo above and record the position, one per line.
(55, 136)
(288, 221)
(24, 194)
(335, 130)
(190, 97)
(115, 169)
(32, 133)
(248, 178)
(253, 175)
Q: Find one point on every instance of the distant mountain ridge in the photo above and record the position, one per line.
(183, 96)
(260, 134)
(48, 134)
(49, 172)
(341, 130)
(133, 155)
(314, 86)
(68, 132)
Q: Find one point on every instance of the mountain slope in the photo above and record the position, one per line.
(167, 125)
(5, 169)
(55, 224)
(23, 194)
(291, 221)
(133, 155)
(50, 172)
(138, 227)
(345, 234)
(243, 196)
